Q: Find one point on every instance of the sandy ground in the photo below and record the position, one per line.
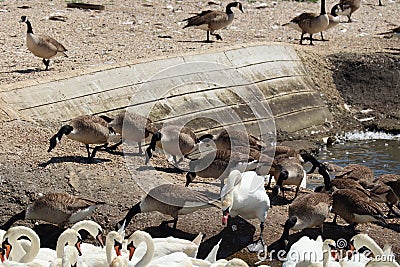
(127, 31)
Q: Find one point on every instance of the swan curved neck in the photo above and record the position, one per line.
(149, 251)
(371, 245)
(69, 237)
(35, 242)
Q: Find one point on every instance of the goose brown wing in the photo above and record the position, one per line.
(176, 195)
(306, 16)
(55, 45)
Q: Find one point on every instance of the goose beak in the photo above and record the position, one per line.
(131, 249)
(225, 216)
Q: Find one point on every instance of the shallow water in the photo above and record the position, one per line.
(380, 152)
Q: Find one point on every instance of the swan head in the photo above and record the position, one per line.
(93, 228)
(114, 239)
(135, 239)
(360, 240)
(329, 246)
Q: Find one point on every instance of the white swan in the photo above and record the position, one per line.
(10, 240)
(245, 195)
(104, 257)
(311, 253)
(68, 246)
(95, 230)
(381, 257)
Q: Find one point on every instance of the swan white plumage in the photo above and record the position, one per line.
(10, 240)
(104, 257)
(244, 195)
(67, 248)
(95, 230)
(382, 257)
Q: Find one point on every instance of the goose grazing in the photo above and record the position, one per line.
(348, 7)
(56, 208)
(360, 173)
(392, 180)
(245, 195)
(211, 21)
(383, 193)
(42, 46)
(310, 23)
(289, 172)
(354, 207)
(173, 140)
(86, 129)
(168, 199)
(132, 127)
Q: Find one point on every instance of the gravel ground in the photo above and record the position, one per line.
(129, 31)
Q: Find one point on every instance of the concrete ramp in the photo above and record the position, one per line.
(251, 81)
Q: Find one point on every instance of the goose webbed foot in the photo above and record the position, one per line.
(46, 63)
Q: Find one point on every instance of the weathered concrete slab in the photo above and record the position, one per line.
(193, 88)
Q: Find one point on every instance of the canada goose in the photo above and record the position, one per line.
(392, 180)
(218, 164)
(132, 127)
(360, 173)
(288, 171)
(211, 21)
(310, 23)
(174, 140)
(42, 46)
(383, 193)
(56, 208)
(228, 139)
(244, 195)
(348, 7)
(168, 199)
(355, 208)
(334, 19)
(86, 129)
(339, 183)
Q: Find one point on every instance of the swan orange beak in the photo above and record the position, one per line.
(118, 248)
(225, 216)
(131, 249)
(78, 247)
(7, 248)
(2, 255)
(99, 238)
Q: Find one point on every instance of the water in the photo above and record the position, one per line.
(378, 151)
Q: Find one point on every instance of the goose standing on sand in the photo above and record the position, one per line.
(211, 21)
(56, 208)
(348, 7)
(132, 127)
(310, 23)
(86, 129)
(245, 195)
(355, 208)
(173, 140)
(42, 46)
(289, 172)
(168, 199)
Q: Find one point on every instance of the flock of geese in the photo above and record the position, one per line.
(210, 21)
(241, 161)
